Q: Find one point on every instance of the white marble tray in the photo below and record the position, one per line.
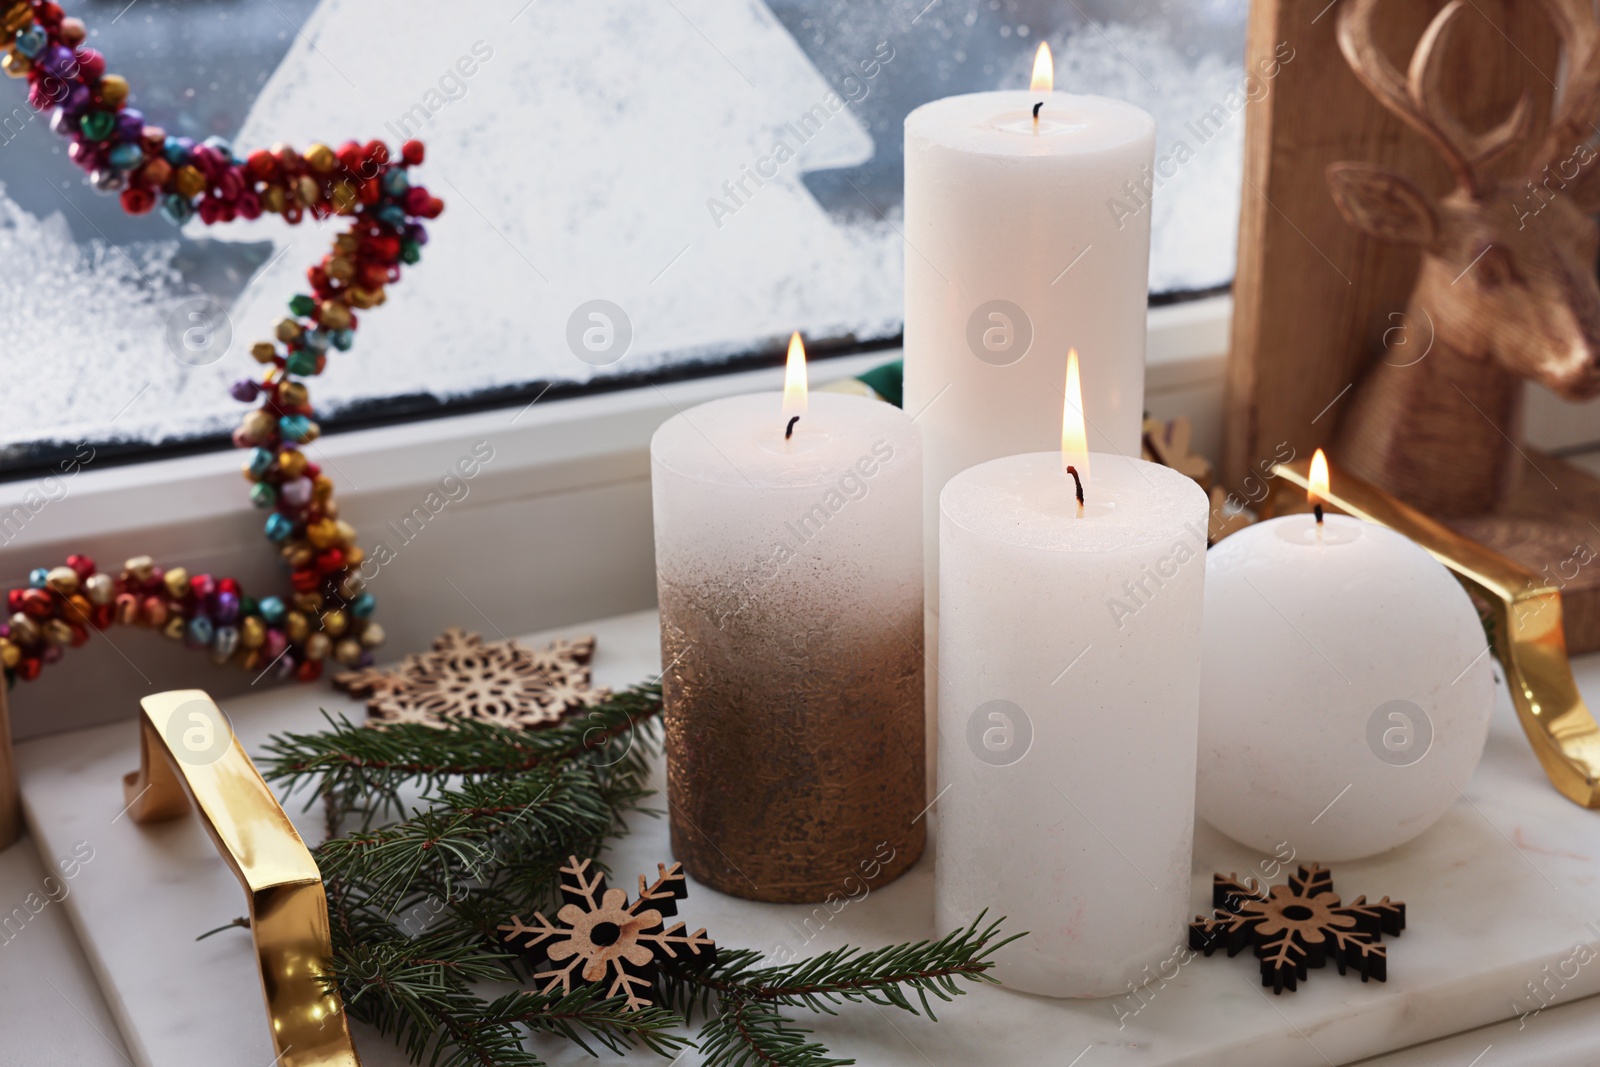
(46, 987)
(1504, 886)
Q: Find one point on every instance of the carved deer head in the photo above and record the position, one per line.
(1508, 264)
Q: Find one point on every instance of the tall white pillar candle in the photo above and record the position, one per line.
(1022, 240)
(790, 581)
(1069, 674)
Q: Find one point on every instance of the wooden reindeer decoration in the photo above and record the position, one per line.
(1506, 290)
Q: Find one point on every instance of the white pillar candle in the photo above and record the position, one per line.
(1016, 248)
(790, 581)
(1069, 674)
(1347, 688)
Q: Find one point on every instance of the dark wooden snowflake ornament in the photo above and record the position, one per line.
(602, 939)
(1297, 926)
(465, 677)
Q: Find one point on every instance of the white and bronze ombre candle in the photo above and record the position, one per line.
(789, 569)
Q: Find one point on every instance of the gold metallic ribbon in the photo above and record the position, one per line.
(186, 746)
(1528, 636)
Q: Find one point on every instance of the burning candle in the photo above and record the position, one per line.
(1015, 247)
(1069, 673)
(1347, 685)
(789, 570)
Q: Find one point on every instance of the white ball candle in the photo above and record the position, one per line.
(1016, 249)
(1069, 673)
(1346, 691)
(790, 580)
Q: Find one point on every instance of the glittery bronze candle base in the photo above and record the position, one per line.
(794, 754)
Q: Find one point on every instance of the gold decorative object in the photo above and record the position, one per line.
(1528, 635)
(1498, 298)
(1411, 376)
(464, 677)
(10, 789)
(186, 747)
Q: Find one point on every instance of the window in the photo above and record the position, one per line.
(603, 225)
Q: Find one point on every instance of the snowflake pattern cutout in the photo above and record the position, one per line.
(602, 939)
(1298, 926)
(464, 677)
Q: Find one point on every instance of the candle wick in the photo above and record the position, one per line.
(789, 432)
(1077, 485)
(1316, 509)
(1036, 108)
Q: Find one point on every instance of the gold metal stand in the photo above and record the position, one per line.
(10, 789)
(187, 747)
(1528, 636)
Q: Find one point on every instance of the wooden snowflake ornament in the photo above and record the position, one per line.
(602, 939)
(464, 677)
(1297, 926)
(1171, 444)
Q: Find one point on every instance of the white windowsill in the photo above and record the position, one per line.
(1187, 346)
(554, 529)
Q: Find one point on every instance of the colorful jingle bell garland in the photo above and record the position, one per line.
(327, 613)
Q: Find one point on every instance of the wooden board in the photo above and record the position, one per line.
(1315, 300)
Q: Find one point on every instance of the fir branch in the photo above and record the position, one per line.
(353, 761)
(240, 923)
(419, 994)
(463, 836)
(881, 976)
(586, 1013)
(483, 818)
(749, 1033)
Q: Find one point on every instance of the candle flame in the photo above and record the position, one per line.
(794, 378)
(1317, 491)
(1044, 70)
(1074, 431)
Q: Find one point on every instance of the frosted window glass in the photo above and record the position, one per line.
(596, 157)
